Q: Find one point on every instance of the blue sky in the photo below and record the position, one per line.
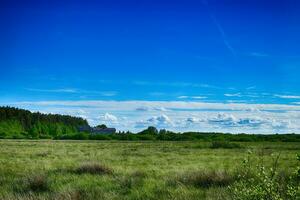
(186, 65)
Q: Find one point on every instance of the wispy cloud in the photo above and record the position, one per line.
(175, 84)
(287, 96)
(75, 91)
(250, 95)
(59, 90)
(220, 29)
(191, 97)
(251, 87)
(233, 95)
(258, 54)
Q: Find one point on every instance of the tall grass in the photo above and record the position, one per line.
(93, 168)
(114, 170)
(36, 183)
(225, 145)
(207, 179)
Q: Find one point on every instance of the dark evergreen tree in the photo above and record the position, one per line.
(14, 121)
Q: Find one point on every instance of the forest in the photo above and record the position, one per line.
(19, 123)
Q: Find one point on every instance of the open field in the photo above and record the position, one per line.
(48, 169)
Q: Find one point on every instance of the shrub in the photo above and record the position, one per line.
(77, 136)
(266, 183)
(37, 183)
(146, 137)
(225, 145)
(99, 137)
(93, 168)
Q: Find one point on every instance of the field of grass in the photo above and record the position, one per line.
(48, 169)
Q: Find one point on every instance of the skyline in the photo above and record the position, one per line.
(229, 66)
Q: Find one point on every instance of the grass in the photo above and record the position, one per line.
(207, 179)
(111, 170)
(93, 168)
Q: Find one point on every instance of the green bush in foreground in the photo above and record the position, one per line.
(265, 183)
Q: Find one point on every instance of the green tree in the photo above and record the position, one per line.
(101, 126)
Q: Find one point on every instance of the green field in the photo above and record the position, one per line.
(47, 169)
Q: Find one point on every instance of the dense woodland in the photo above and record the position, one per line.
(19, 123)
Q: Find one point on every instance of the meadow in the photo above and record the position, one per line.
(50, 169)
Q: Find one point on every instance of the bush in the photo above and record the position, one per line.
(93, 168)
(77, 136)
(225, 145)
(266, 183)
(37, 183)
(99, 137)
(146, 137)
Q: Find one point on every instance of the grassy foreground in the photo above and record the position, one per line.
(48, 169)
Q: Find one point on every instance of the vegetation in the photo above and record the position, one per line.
(48, 169)
(224, 145)
(151, 164)
(266, 183)
(36, 183)
(19, 123)
(93, 168)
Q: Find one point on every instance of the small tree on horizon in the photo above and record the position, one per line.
(101, 126)
(151, 130)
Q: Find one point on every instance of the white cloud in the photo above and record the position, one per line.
(182, 97)
(146, 108)
(193, 120)
(110, 117)
(160, 109)
(233, 95)
(132, 105)
(198, 97)
(258, 54)
(191, 97)
(161, 121)
(175, 84)
(287, 96)
(75, 91)
(59, 90)
(251, 95)
(223, 119)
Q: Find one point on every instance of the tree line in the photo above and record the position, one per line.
(20, 123)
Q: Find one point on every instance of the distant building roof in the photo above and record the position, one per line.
(103, 130)
(84, 128)
(97, 130)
